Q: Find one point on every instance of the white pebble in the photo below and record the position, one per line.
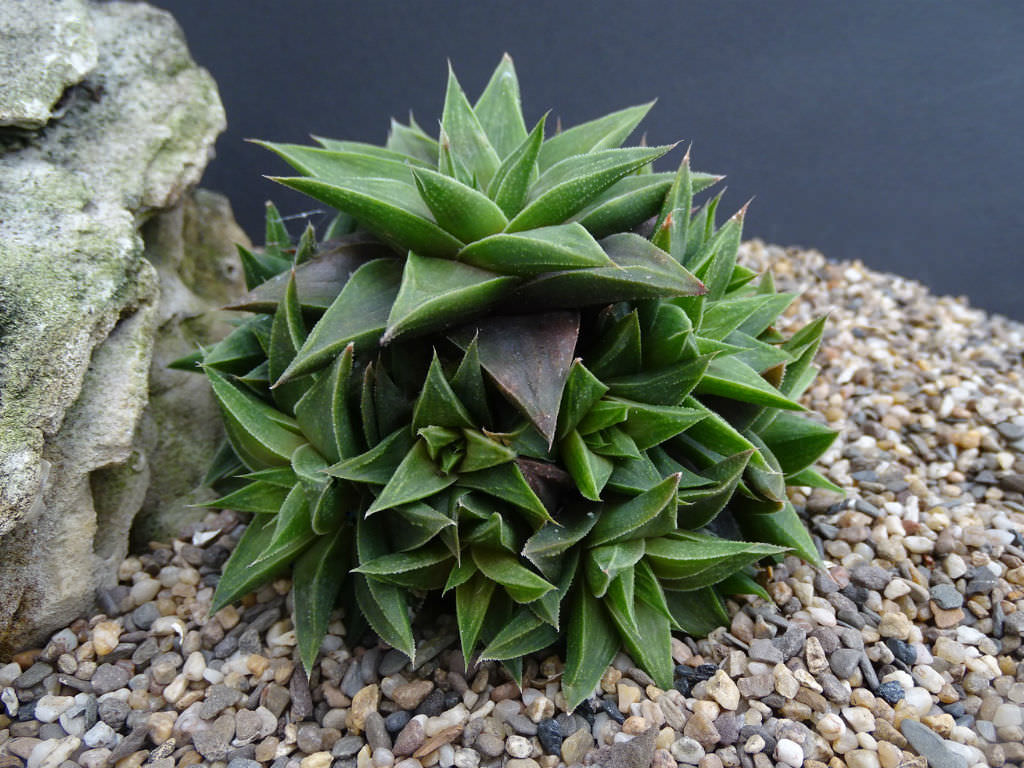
(518, 746)
(1007, 715)
(789, 752)
(100, 735)
(969, 635)
(920, 699)
(50, 708)
(859, 718)
(195, 666)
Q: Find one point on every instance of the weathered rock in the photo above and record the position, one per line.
(47, 48)
(192, 247)
(79, 306)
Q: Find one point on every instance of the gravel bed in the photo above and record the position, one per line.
(905, 651)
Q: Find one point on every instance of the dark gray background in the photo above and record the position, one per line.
(889, 132)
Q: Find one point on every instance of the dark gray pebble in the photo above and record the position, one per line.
(145, 615)
(901, 650)
(609, 706)
(433, 705)
(890, 692)
(302, 701)
(930, 745)
(376, 731)
(347, 746)
(396, 721)
(843, 661)
(728, 726)
(549, 734)
(33, 675)
(109, 677)
(870, 577)
(946, 596)
(113, 712)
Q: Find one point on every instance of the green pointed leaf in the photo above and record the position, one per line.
(240, 350)
(812, 478)
(469, 143)
(293, 525)
(392, 210)
(669, 337)
(536, 251)
(603, 133)
(468, 385)
(386, 609)
(362, 148)
(384, 605)
(331, 506)
(192, 362)
(671, 230)
(416, 525)
(287, 335)
(729, 377)
(483, 453)
(796, 441)
(591, 644)
(493, 534)
(276, 238)
(623, 521)
(319, 280)
(604, 563)
(669, 386)
(309, 467)
(582, 391)
(316, 581)
(705, 508)
(417, 477)
(522, 584)
(689, 560)
(643, 271)
(242, 573)
(758, 355)
(652, 648)
(438, 405)
(604, 414)
(589, 471)
(651, 425)
(461, 210)
(783, 528)
(472, 599)
(282, 477)
(569, 186)
(741, 583)
(323, 414)
(459, 575)
(339, 167)
(358, 316)
(402, 562)
(618, 352)
(626, 204)
(260, 267)
(511, 183)
(437, 293)
(499, 110)
(697, 612)
(751, 314)
(528, 357)
(524, 633)
(261, 436)
(648, 590)
(716, 271)
(547, 547)
(412, 141)
(549, 607)
(621, 601)
(379, 463)
(259, 498)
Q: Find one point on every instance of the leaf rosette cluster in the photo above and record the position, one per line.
(523, 371)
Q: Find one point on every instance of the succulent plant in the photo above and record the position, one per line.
(519, 369)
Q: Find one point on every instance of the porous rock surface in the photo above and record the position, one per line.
(80, 303)
(47, 47)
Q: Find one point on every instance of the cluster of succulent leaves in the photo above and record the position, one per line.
(486, 382)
